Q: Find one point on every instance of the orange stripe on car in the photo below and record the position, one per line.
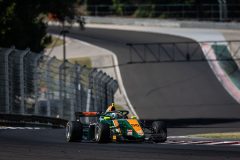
(116, 124)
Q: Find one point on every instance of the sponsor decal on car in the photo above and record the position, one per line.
(134, 123)
(129, 132)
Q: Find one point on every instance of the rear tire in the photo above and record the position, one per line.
(102, 133)
(74, 131)
(160, 132)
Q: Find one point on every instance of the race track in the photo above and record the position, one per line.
(187, 95)
(50, 144)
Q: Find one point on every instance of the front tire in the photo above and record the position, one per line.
(160, 132)
(74, 131)
(102, 133)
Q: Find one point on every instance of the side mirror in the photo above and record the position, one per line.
(133, 117)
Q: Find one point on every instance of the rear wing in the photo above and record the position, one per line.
(87, 114)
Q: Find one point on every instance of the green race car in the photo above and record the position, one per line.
(114, 126)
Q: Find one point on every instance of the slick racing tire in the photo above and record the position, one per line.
(160, 132)
(74, 131)
(102, 133)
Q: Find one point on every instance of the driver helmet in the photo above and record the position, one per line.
(111, 107)
(114, 115)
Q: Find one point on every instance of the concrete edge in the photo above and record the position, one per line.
(162, 23)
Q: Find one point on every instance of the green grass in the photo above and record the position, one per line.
(81, 60)
(55, 42)
(232, 135)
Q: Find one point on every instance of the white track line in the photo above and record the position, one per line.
(230, 143)
(21, 128)
(236, 144)
(224, 143)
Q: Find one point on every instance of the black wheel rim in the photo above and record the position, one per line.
(97, 135)
(68, 132)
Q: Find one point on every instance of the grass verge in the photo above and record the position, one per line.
(232, 135)
(81, 60)
(55, 42)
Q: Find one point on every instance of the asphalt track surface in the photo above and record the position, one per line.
(49, 144)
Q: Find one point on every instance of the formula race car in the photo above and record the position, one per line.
(114, 126)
